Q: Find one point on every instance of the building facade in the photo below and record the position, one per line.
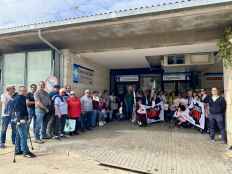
(172, 47)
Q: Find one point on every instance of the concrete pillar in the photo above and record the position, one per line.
(228, 97)
(68, 56)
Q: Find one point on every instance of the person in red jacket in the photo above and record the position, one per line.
(74, 110)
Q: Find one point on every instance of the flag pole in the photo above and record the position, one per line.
(134, 108)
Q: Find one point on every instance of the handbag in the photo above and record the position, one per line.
(70, 125)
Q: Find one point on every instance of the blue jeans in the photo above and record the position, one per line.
(102, 116)
(32, 117)
(39, 123)
(5, 121)
(21, 138)
(86, 120)
(94, 118)
(109, 115)
(78, 124)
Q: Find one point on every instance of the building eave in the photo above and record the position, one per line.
(167, 8)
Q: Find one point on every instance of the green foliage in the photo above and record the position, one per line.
(225, 47)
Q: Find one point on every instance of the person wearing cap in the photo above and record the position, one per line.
(61, 112)
(51, 116)
(55, 91)
(6, 116)
(87, 110)
(74, 110)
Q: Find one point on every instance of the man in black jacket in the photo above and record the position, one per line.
(21, 121)
(217, 108)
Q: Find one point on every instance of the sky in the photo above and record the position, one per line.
(22, 12)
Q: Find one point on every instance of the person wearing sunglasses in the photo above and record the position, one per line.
(21, 122)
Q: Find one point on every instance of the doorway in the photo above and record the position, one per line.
(121, 88)
(176, 86)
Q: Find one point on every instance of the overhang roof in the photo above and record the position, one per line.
(158, 8)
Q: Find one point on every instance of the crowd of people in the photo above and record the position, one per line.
(49, 114)
(189, 109)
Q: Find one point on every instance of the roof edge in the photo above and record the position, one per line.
(179, 5)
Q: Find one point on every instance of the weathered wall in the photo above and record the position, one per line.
(228, 97)
(100, 77)
(208, 84)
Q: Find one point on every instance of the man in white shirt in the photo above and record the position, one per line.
(87, 110)
(61, 113)
(217, 109)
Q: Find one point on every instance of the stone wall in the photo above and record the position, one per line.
(100, 78)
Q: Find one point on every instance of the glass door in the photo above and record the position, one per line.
(148, 82)
(170, 86)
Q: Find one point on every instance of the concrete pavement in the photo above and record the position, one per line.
(156, 149)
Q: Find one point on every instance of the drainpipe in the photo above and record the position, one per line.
(57, 51)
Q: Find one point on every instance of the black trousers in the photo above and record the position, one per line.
(141, 118)
(217, 120)
(46, 119)
(59, 124)
(206, 125)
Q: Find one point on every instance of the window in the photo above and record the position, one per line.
(176, 59)
(21, 71)
(39, 65)
(14, 69)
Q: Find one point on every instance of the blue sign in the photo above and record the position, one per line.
(82, 74)
(75, 73)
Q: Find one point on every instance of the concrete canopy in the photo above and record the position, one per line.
(177, 27)
(124, 59)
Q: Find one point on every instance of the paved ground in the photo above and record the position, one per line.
(157, 149)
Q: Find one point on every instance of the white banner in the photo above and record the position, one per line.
(194, 114)
(155, 113)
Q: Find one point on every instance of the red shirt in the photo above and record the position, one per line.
(74, 107)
